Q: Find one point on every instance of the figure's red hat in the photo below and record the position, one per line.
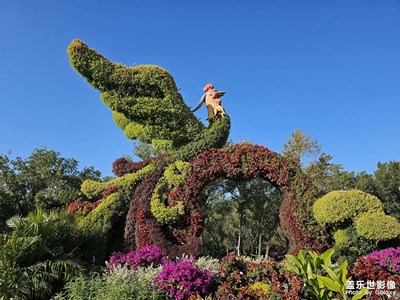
(208, 87)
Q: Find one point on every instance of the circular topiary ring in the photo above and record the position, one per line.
(237, 162)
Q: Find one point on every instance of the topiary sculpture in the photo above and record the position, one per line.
(357, 219)
(161, 193)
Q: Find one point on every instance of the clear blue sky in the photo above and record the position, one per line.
(330, 68)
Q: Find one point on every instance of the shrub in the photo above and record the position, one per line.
(359, 221)
(340, 206)
(321, 281)
(183, 279)
(377, 226)
(379, 267)
(350, 245)
(82, 206)
(342, 238)
(120, 120)
(242, 278)
(389, 259)
(36, 258)
(143, 257)
(165, 214)
(263, 288)
(120, 284)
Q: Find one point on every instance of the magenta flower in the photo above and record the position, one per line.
(143, 257)
(388, 259)
(183, 279)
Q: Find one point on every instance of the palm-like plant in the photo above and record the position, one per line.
(34, 258)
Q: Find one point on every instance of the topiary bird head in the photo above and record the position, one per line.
(144, 99)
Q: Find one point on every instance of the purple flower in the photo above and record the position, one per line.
(143, 257)
(183, 279)
(388, 259)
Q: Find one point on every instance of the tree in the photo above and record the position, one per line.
(240, 215)
(145, 151)
(324, 174)
(387, 184)
(300, 146)
(327, 176)
(44, 179)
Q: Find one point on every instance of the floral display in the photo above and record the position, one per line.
(143, 257)
(183, 279)
(82, 206)
(388, 259)
(154, 209)
(380, 270)
(242, 278)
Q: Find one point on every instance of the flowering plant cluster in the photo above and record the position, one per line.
(82, 206)
(262, 279)
(183, 279)
(112, 189)
(388, 259)
(379, 266)
(122, 166)
(143, 257)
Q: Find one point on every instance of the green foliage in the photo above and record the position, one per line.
(44, 179)
(249, 208)
(146, 95)
(340, 206)
(358, 220)
(377, 226)
(133, 131)
(300, 145)
(120, 284)
(350, 245)
(174, 175)
(35, 259)
(387, 182)
(93, 189)
(120, 120)
(215, 136)
(164, 214)
(342, 238)
(321, 280)
(264, 287)
(99, 222)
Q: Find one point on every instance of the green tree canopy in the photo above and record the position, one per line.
(45, 179)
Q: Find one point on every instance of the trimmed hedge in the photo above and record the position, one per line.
(341, 206)
(377, 226)
(357, 220)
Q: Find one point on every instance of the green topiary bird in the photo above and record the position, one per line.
(146, 104)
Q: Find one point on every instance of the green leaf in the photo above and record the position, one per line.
(331, 274)
(361, 294)
(300, 257)
(343, 269)
(310, 273)
(329, 283)
(327, 256)
(295, 261)
(291, 267)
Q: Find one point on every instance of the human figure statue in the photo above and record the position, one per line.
(212, 98)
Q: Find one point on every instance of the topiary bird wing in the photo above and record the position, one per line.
(144, 99)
